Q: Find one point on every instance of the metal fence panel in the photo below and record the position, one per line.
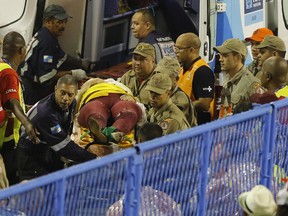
(234, 164)
(200, 171)
(85, 189)
(172, 170)
(279, 144)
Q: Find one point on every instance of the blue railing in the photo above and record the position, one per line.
(200, 171)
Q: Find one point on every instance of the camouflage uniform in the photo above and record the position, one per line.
(171, 67)
(170, 118)
(253, 67)
(184, 103)
(241, 87)
(130, 80)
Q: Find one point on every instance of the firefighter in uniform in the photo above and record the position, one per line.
(240, 83)
(171, 67)
(143, 65)
(164, 112)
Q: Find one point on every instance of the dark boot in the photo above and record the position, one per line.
(96, 130)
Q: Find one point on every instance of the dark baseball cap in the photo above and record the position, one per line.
(56, 11)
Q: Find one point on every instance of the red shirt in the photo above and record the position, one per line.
(9, 88)
(2, 116)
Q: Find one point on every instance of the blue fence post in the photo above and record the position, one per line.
(272, 144)
(205, 159)
(59, 201)
(266, 162)
(134, 172)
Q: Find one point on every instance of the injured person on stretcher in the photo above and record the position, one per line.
(106, 114)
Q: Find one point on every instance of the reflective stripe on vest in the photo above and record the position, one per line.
(185, 82)
(17, 123)
(185, 79)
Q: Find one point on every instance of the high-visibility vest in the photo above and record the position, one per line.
(185, 82)
(17, 123)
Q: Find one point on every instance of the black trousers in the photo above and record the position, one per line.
(8, 152)
(36, 160)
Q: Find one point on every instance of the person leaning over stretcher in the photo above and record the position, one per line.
(107, 111)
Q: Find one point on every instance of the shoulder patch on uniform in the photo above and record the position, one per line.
(56, 129)
(257, 88)
(164, 125)
(47, 59)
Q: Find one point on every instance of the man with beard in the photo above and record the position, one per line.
(270, 46)
(256, 38)
(196, 78)
(46, 61)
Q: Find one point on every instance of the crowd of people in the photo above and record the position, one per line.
(169, 88)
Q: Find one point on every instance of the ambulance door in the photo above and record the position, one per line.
(17, 16)
(283, 21)
(207, 29)
(203, 14)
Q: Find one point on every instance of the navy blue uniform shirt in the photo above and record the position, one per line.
(54, 126)
(44, 57)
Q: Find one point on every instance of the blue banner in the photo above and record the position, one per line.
(253, 5)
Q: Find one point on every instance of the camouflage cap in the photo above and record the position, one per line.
(56, 11)
(145, 50)
(168, 65)
(232, 45)
(272, 42)
(159, 83)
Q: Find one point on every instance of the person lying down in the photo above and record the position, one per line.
(106, 114)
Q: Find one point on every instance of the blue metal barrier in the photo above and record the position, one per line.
(85, 189)
(236, 156)
(278, 145)
(200, 171)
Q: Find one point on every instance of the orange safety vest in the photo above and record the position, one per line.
(17, 123)
(185, 82)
